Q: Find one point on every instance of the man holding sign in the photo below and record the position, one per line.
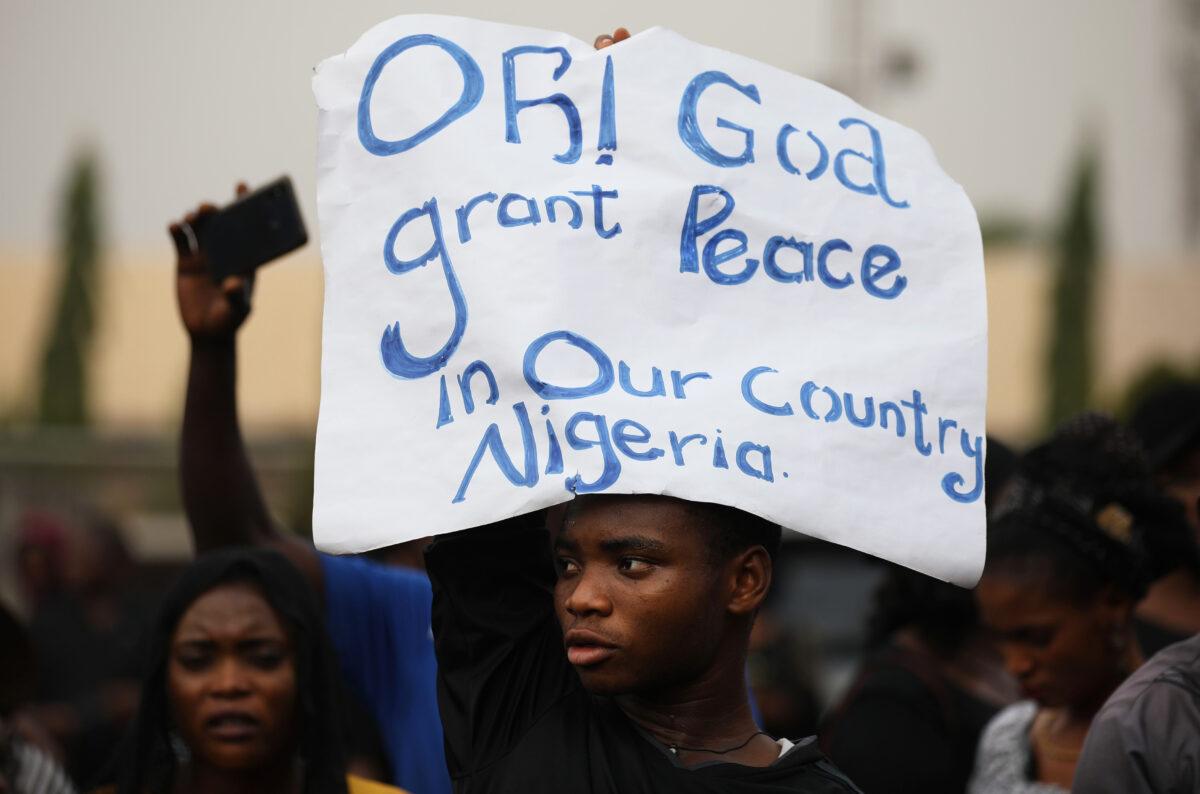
(654, 598)
(562, 276)
(639, 685)
(748, 297)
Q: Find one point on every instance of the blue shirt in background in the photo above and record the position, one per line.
(378, 618)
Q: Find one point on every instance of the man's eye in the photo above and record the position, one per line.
(633, 565)
(567, 566)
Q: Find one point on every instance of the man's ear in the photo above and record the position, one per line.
(750, 576)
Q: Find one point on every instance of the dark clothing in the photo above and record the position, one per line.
(515, 715)
(76, 659)
(1146, 738)
(1153, 637)
(903, 728)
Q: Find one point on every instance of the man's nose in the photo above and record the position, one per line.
(589, 596)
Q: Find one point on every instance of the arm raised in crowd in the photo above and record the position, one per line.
(220, 492)
(499, 647)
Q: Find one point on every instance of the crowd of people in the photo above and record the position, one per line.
(605, 645)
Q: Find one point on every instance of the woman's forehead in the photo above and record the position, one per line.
(232, 609)
(1016, 598)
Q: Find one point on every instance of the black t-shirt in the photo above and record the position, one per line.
(904, 729)
(515, 715)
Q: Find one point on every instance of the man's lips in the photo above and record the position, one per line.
(232, 726)
(587, 648)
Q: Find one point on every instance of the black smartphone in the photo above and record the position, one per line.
(260, 226)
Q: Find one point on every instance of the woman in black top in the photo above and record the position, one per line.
(911, 719)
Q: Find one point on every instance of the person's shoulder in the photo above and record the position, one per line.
(1011, 721)
(343, 569)
(35, 770)
(1171, 673)
(1147, 736)
(359, 785)
(816, 773)
(1179, 665)
(1004, 752)
(1004, 743)
(889, 678)
(892, 670)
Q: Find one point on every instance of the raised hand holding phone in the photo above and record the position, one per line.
(209, 310)
(219, 251)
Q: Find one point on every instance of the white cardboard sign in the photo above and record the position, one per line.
(655, 268)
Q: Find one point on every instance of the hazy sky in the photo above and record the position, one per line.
(182, 99)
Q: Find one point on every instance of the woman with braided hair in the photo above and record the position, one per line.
(1070, 553)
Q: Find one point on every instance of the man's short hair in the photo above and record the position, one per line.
(735, 530)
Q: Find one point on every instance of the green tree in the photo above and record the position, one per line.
(1070, 359)
(63, 399)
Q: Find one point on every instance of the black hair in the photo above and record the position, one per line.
(735, 530)
(1167, 420)
(17, 679)
(998, 468)
(1083, 510)
(149, 763)
(943, 615)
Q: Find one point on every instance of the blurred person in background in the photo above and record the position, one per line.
(27, 753)
(378, 615)
(26, 769)
(911, 719)
(1168, 423)
(240, 694)
(40, 547)
(1068, 559)
(85, 621)
(1146, 739)
(780, 668)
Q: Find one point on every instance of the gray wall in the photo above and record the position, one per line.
(182, 98)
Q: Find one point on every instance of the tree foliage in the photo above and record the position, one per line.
(1071, 354)
(63, 396)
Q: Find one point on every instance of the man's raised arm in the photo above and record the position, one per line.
(220, 492)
